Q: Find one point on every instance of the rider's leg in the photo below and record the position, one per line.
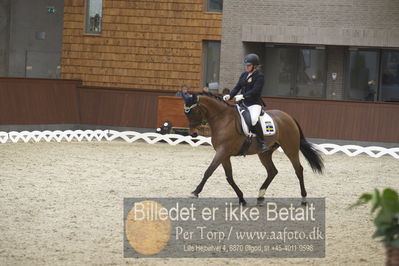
(255, 110)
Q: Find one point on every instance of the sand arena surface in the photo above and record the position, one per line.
(62, 203)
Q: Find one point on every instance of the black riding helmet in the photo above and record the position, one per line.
(251, 59)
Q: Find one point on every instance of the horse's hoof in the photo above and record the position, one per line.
(260, 201)
(193, 195)
(243, 202)
(304, 202)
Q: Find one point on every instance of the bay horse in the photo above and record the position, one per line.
(228, 138)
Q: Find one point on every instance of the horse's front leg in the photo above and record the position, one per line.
(229, 176)
(217, 160)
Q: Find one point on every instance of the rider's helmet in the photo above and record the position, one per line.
(251, 59)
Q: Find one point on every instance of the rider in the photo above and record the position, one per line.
(251, 84)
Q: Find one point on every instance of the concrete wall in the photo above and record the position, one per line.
(335, 64)
(29, 55)
(335, 22)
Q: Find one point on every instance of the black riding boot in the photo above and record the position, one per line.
(257, 129)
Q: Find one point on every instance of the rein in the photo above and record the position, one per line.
(237, 124)
(236, 118)
(187, 110)
(214, 115)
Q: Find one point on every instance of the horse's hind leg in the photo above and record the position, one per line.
(294, 158)
(266, 159)
(229, 176)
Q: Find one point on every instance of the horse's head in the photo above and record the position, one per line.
(193, 112)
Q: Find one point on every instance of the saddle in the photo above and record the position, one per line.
(266, 121)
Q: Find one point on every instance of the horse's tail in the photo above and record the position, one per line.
(311, 154)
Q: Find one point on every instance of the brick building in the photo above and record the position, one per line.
(343, 50)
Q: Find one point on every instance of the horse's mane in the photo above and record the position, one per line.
(217, 97)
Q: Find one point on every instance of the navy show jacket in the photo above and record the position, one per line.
(251, 88)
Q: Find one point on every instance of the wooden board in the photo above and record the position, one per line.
(346, 120)
(170, 108)
(38, 101)
(55, 101)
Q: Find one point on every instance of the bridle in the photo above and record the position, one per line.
(187, 110)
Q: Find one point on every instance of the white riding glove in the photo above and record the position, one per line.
(226, 97)
(239, 97)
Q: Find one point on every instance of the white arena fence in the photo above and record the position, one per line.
(172, 139)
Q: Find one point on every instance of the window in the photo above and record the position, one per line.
(211, 64)
(363, 75)
(373, 75)
(295, 72)
(94, 10)
(390, 76)
(214, 5)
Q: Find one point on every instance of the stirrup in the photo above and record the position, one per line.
(264, 147)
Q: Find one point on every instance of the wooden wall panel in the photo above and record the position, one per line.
(144, 44)
(49, 101)
(363, 121)
(26, 101)
(38, 101)
(119, 107)
(170, 108)
(326, 119)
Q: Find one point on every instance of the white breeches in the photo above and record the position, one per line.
(254, 110)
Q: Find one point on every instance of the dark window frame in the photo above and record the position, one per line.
(294, 82)
(347, 72)
(86, 30)
(204, 61)
(379, 51)
(210, 10)
(380, 89)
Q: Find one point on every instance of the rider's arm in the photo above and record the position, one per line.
(237, 88)
(257, 88)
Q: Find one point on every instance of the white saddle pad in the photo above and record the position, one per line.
(266, 121)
